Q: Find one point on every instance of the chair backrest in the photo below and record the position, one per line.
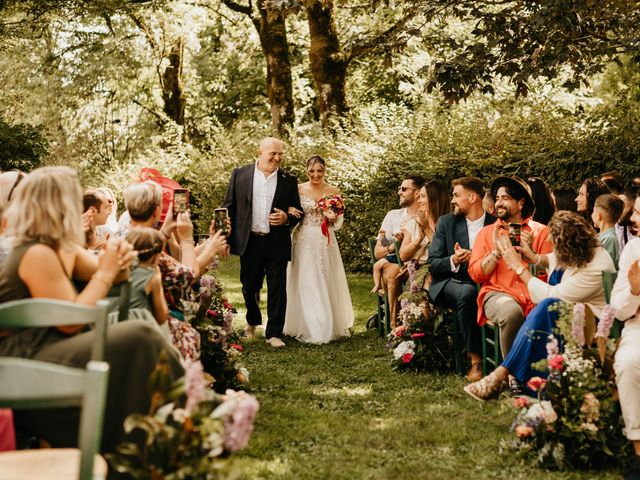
(608, 279)
(396, 245)
(30, 384)
(44, 312)
(372, 250)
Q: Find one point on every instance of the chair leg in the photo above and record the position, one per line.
(497, 354)
(387, 315)
(485, 367)
(457, 344)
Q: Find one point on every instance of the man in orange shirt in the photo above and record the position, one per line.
(503, 299)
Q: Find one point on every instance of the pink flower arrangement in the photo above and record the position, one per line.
(407, 357)
(556, 363)
(194, 384)
(417, 335)
(577, 324)
(238, 424)
(605, 323)
(332, 206)
(524, 431)
(536, 384)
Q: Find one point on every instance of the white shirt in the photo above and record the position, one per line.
(394, 222)
(264, 189)
(627, 306)
(473, 228)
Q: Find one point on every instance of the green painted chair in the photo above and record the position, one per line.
(31, 384)
(491, 353)
(382, 315)
(35, 384)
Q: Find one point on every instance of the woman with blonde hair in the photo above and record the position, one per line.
(45, 220)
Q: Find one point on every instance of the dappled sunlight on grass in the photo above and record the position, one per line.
(356, 391)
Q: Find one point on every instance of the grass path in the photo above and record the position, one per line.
(338, 411)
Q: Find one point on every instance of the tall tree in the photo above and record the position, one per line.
(272, 31)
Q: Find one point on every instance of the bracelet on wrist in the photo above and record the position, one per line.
(189, 241)
(538, 260)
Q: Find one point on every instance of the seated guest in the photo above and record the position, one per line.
(590, 189)
(576, 265)
(45, 219)
(453, 241)
(97, 209)
(606, 213)
(564, 199)
(8, 183)
(489, 203)
(503, 299)
(542, 199)
(625, 228)
(393, 223)
(614, 181)
(625, 298)
(418, 232)
(111, 226)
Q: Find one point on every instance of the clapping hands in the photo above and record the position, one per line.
(461, 255)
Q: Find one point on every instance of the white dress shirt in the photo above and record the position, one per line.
(264, 189)
(473, 228)
(627, 305)
(394, 221)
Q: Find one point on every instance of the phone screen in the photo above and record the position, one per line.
(221, 215)
(180, 200)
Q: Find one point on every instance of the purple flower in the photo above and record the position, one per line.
(238, 424)
(577, 324)
(194, 384)
(411, 270)
(604, 326)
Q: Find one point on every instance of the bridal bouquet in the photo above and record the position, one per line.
(332, 206)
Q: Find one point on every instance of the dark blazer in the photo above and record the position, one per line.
(449, 230)
(238, 201)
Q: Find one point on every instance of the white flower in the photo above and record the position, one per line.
(404, 348)
(542, 410)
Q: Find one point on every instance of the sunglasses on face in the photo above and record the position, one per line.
(404, 189)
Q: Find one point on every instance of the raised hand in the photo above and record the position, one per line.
(461, 255)
(508, 252)
(634, 278)
(184, 227)
(526, 249)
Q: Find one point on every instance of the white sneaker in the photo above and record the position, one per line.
(275, 342)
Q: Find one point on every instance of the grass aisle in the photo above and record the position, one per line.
(338, 411)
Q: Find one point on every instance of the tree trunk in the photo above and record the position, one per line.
(328, 62)
(172, 87)
(272, 30)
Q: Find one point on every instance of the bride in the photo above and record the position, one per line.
(318, 301)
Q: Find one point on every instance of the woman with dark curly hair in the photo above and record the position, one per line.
(590, 189)
(574, 267)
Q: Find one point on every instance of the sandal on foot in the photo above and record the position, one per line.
(485, 389)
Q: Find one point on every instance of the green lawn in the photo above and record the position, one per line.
(338, 411)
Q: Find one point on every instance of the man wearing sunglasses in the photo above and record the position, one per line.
(392, 225)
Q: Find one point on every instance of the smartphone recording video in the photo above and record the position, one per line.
(180, 201)
(220, 217)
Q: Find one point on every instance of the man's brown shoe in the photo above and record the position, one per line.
(475, 373)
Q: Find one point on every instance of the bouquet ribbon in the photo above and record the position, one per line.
(325, 230)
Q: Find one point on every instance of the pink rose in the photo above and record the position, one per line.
(399, 331)
(524, 431)
(417, 335)
(536, 384)
(520, 402)
(407, 357)
(556, 362)
(237, 347)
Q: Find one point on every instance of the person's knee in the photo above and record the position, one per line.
(627, 363)
(506, 312)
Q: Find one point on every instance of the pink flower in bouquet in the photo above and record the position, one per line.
(417, 335)
(536, 384)
(605, 323)
(577, 324)
(194, 384)
(520, 402)
(237, 347)
(556, 362)
(407, 357)
(399, 331)
(238, 424)
(524, 431)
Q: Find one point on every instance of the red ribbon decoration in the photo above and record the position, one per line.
(325, 230)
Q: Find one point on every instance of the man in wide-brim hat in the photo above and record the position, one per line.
(504, 299)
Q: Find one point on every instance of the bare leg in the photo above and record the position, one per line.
(389, 273)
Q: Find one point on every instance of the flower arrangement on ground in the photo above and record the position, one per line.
(189, 432)
(422, 340)
(332, 206)
(575, 421)
(211, 314)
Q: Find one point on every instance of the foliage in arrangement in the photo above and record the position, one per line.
(211, 314)
(189, 432)
(575, 421)
(422, 341)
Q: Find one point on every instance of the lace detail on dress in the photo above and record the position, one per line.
(312, 214)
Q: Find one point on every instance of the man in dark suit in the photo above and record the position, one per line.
(449, 253)
(258, 199)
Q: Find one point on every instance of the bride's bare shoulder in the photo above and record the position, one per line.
(331, 190)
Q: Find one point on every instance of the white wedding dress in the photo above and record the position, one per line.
(319, 306)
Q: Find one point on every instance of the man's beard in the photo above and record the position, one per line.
(457, 211)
